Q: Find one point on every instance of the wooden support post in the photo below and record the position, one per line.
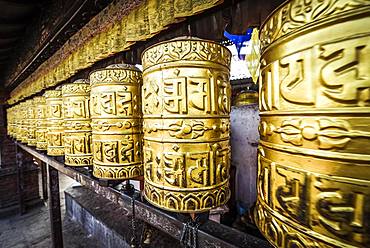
(54, 208)
(20, 181)
(44, 180)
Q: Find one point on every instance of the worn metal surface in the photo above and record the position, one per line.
(54, 208)
(210, 234)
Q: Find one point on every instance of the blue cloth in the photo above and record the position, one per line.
(238, 40)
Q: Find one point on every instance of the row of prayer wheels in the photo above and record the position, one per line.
(169, 123)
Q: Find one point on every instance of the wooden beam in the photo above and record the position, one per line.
(54, 208)
(209, 233)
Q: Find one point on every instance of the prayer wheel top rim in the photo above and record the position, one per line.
(184, 39)
(113, 67)
(303, 26)
(55, 93)
(121, 66)
(39, 99)
(85, 88)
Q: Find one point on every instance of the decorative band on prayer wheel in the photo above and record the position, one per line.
(186, 106)
(55, 127)
(41, 142)
(116, 122)
(314, 154)
(77, 127)
(31, 127)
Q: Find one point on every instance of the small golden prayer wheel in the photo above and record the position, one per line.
(41, 129)
(24, 122)
(314, 155)
(17, 119)
(186, 106)
(116, 122)
(10, 119)
(31, 114)
(9, 114)
(55, 126)
(77, 126)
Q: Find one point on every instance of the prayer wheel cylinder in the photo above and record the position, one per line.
(17, 121)
(55, 121)
(116, 122)
(314, 154)
(186, 106)
(23, 122)
(41, 129)
(11, 119)
(77, 126)
(31, 141)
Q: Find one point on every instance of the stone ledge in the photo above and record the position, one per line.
(106, 221)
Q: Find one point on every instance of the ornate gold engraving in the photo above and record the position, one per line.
(41, 126)
(32, 122)
(116, 122)
(111, 31)
(55, 122)
(186, 94)
(314, 155)
(77, 127)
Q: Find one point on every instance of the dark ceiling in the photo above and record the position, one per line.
(15, 15)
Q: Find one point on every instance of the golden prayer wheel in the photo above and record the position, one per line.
(55, 122)
(17, 120)
(314, 154)
(116, 122)
(41, 128)
(186, 105)
(10, 119)
(77, 126)
(23, 122)
(31, 128)
(245, 98)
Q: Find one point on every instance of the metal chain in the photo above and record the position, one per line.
(133, 222)
(189, 234)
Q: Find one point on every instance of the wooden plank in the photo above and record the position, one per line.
(210, 234)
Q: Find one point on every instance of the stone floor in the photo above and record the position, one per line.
(33, 229)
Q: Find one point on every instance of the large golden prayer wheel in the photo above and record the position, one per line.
(116, 122)
(186, 106)
(55, 127)
(41, 128)
(32, 121)
(77, 126)
(314, 154)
